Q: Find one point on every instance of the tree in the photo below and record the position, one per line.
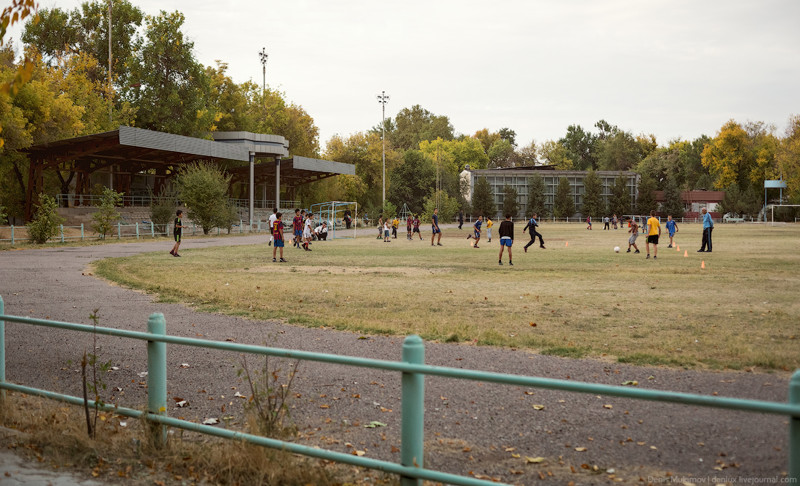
(593, 204)
(486, 138)
(104, 218)
(619, 151)
(509, 135)
(788, 158)
(166, 82)
(483, 199)
(162, 207)
(46, 222)
(580, 147)
(448, 206)
(501, 154)
(646, 200)
(18, 11)
(364, 151)
(620, 202)
(536, 196)
(564, 203)
(741, 155)
(553, 153)
(412, 181)
(673, 204)
(3, 215)
(510, 202)
(415, 124)
(526, 156)
(739, 202)
(203, 187)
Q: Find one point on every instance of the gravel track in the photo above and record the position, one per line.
(470, 427)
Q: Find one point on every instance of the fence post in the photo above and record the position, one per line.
(81, 231)
(119, 230)
(157, 376)
(412, 434)
(2, 349)
(794, 429)
(12, 235)
(152, 230)
(61, 227)
(137, 230)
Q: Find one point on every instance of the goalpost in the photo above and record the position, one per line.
(333, 213)
(772, 207)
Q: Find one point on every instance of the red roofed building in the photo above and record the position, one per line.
(694, 201)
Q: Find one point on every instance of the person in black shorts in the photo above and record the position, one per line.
(178, 231)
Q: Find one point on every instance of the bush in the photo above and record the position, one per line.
(107, 215)
(3, 215)
(203, 187)
(162, 208)
(46, 222)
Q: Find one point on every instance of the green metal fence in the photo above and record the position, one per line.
(413, 372)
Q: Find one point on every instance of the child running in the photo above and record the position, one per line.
(297, 228)
(531, 227)
(307, 231)
(489, 224)
(277, 235)
(506, 239)
(476, 231)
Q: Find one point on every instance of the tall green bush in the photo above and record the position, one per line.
(510, 203)
(203, 188)
(536, 196)
(483, 199)
(104, 218)
(46, 221)
(162, 208)
(564, 204)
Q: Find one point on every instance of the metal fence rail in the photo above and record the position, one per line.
(413, 372)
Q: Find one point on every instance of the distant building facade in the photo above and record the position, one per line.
(518, 178)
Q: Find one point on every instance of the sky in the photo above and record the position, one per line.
(674, 69)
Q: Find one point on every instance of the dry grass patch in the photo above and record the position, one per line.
(122, 454)
(577, 298)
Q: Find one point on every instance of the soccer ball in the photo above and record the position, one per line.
(616, 249)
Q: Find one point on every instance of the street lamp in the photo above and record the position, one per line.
(263, 55)
(383, 98)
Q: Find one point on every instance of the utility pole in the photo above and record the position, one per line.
(383, 98)
(110, 85)
(263, 55)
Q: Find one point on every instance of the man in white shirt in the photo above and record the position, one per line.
(272, 219)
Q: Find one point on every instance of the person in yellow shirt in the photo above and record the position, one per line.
(489, 224)
(395, 225)
(654, 231)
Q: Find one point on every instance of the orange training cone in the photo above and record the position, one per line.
(677, 248)
(685, 253)
(703, 264)
(566, 243)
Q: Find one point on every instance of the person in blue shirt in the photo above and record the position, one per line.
(476, 231)
(708, 227)
(531, 227)
(672, 228)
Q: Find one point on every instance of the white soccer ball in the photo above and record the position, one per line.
(616, 249)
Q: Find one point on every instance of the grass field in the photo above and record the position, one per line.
(577, 298)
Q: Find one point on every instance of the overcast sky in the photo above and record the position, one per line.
(676, 69)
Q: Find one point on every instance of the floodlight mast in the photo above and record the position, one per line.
(383, 98)
(264, 56)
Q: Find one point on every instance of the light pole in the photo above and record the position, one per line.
(263, 55)
(383, 98)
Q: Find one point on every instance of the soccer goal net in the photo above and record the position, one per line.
(340, 217)
(771, 209)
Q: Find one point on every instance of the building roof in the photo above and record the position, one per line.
(694, 196)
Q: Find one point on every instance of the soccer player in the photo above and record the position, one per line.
(409, 223)
(416, 227)
(435, 228)
(531, 227)
(708, 227)
(588, 222)
(395, 225)
(277, 234)
(297, 227)
(672, 228)
(476, 231)
(506, 239)
(307, 231)
(634, 231)
(177, 232)
(489, 224)
(654, 231)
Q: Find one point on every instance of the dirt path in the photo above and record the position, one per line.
(470, 427)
